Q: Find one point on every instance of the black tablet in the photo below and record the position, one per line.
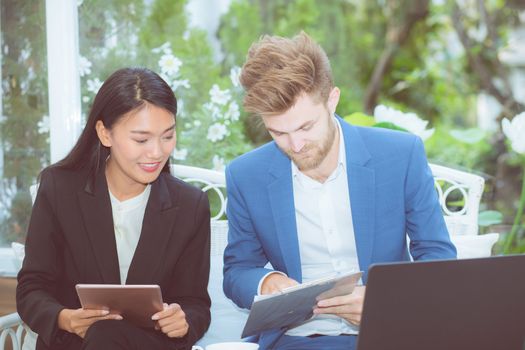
(135, 303)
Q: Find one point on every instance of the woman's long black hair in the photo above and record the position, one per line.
(125, 90)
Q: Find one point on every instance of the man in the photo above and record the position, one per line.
(323, 198)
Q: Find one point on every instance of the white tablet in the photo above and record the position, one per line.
(136, 303)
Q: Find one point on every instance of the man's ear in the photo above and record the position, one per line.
(333, 100)
(103, 134)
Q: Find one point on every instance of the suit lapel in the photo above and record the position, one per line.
(157, 226)
(361, 187)
(98, 220)
(280, 191)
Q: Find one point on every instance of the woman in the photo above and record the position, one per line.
(110, 212)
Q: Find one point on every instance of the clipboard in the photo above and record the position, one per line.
(294, 305)
(136, 303)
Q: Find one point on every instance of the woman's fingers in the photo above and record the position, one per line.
(172, 321)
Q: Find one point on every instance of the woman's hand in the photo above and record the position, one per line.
(171, 321)
(78, 321)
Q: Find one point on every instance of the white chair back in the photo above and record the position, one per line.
(459, 196)
(227, 320)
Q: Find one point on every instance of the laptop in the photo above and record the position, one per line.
(446, 305)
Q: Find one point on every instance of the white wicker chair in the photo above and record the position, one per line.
(451, 185)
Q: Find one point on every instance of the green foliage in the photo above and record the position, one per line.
(427, 76)
(489, 217)
(391, 126)
(445, 148)
(158, 34)
(470, 136)
(360, 119)
(24, 104)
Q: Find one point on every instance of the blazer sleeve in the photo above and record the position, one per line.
(429, 237)
(38, 278)
(190, 278)
(244, 257)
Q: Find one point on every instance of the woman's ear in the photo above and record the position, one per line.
(103, 134)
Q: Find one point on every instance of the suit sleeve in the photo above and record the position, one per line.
(244, 258)
(429, 237)
(38, 278)
(190, 278)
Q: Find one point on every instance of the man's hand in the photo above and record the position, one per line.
(275, 282)
(78, 321)
(349, 307)
(171, 321)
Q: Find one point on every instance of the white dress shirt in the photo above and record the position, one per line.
(326, 236)
(127, 220)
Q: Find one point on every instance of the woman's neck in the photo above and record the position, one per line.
(121, 186)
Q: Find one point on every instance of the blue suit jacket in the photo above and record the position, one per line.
(391, 194)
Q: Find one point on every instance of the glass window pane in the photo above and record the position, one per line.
(24, 121)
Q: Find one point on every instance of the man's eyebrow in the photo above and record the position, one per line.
(143, 132)
(300, 127)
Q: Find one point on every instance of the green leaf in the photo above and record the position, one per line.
(470, 136)
(489, 217)
(359, 119)
(388, 125)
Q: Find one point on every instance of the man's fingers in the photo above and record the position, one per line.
(356, 297)
(339, 310)
(334, 301)
(276, 282)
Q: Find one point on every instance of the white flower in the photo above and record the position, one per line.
(175, 84)
(218, 163)
(216, 132)
(408, 121)
(218, 96)
(515, 131)
(164, 48)
(235, 73)
(180, 108)
(197, 123)
(180, 154)
(233, 112)
(25, 53)
(93, 85)
(43, 125)
(85, 99)
(169, 64)
(214, 110)
(84, 66)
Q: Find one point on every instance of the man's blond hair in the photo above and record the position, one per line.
(278, 70)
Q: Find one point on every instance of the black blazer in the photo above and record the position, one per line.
(71, 240)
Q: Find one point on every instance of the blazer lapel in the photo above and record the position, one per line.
(361, 187)
(158, 224)
(280, 191)
(95, 205)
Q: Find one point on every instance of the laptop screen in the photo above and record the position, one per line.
(447, 304)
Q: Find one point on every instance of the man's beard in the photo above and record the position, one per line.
(313, 153)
